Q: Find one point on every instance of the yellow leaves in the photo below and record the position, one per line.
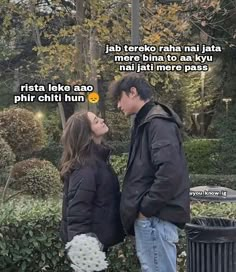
(149, 4)
(153, 39)
(169, 11)
(56, 58)
(66, 32)
(29, 20)
(7, 21)
(40, 22)
(55, 77)
(165, 26)
(33, 20)
(184, 26)
(90, 23)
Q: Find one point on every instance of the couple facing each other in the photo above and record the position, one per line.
(155, 196)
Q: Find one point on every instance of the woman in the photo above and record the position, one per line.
(91, 190)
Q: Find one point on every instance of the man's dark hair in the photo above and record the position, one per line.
(126, 82)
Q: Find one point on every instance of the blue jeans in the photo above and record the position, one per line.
(155, 244)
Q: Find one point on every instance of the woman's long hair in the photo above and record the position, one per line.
(77, 142)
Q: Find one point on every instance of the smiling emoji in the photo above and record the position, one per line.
(93, 97)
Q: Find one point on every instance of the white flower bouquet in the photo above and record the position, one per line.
(85, 253)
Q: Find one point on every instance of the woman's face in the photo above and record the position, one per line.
(98, 127)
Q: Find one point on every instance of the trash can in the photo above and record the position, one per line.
(211, 245)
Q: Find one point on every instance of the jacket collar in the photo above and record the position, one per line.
(98, 152)
(101, 151)
(162, 111)
(143, 112)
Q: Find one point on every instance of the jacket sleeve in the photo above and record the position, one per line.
(81, 193)
(166, 157)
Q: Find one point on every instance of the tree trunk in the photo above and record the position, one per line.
(38, 42)
(80, 49)
(93, 66)
(62, 114)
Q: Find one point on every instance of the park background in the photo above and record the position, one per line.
(63, 41)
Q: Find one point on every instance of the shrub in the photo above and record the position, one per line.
(51, 152)
(29, 238)
(118, 147)
(119, 164)
(202, 155)
(228, 181)
(211, 209)
(23, 132)
(36, 177)
(52, 125)
(225, 126)
(122, 257)
(119, 126)
(21, 168)
(6, 160)
(7, 157)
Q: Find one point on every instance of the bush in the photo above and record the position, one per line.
(119, 126)
(51, 152)
(52, 125)
(118, 147)
(122, 257)
(228, 181)
(202, 155)
(36, 177)
(7, 157)
(225, 126)
(23, 132)
(119, 164)
(211, 209)
(20, 169)
(29, 238)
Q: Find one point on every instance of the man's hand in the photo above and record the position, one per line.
(141, 216)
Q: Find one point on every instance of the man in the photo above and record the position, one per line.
(155, 198)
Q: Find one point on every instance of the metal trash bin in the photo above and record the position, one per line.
(211, 245)
(211, 242)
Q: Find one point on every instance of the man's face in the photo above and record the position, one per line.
(127, 103)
